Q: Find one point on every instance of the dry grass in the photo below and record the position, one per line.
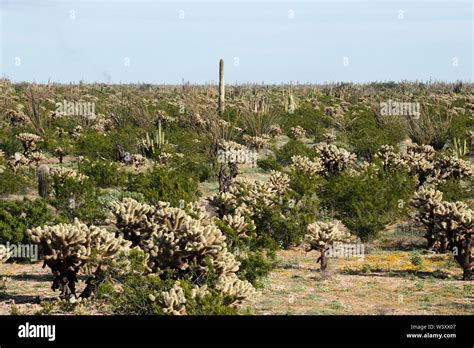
(381, 283)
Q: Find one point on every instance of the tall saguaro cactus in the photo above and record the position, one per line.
(221, 87)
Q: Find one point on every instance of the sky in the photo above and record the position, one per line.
(272, 41)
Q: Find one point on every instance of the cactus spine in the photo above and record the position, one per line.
(221, 87)
(43, 172)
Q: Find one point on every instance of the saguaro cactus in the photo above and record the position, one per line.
(43, 184)
(221, 87)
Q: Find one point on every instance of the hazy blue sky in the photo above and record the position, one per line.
(94, 40)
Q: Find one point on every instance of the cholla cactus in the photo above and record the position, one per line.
(390, 159)
(18, 161)
(62, 173)
(456, 221)
(62, 177)
(36, 157)
(449, 224)
(228, 145)
(257, 142)
(17, 116)
(274, 131)
(329, 137)
(235, 289)
(249, 197)
(426, 200)
(28, 141)
(173, 301)
(70, 249)
(232, 153)
(280, 182)
(133, 219)
(30, 150)
(451, 167)
(182, 243)
(174, 239)
(334, 159)
(102, 124)
(427, 151)
(321, 235)
(164, 157)
(239, 224)
(76, 132)
(179, 245)
(59, 152)
(418, 160)
(60, 132)
(138, 161)
(163, 117)
(298, 132)
(197, 120)
(5, 253)
(304, 164)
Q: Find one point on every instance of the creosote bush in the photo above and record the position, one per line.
(17, 216)
(368, 200)
(164, 184)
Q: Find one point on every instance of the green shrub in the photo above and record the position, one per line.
(52, 141)
(307, 117)
(366, 136)
(286, 223)
(94, 145)
(255, 266)
(304, 183)
(103, 173)
(17, 216)
(16, 183)
(454, 190)
(416, 258)
(367, 202)
(196, 167)
(9, 143)
(164, 184)
(76, 199)
(256, 254)
(268, 164)
(293, 148)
